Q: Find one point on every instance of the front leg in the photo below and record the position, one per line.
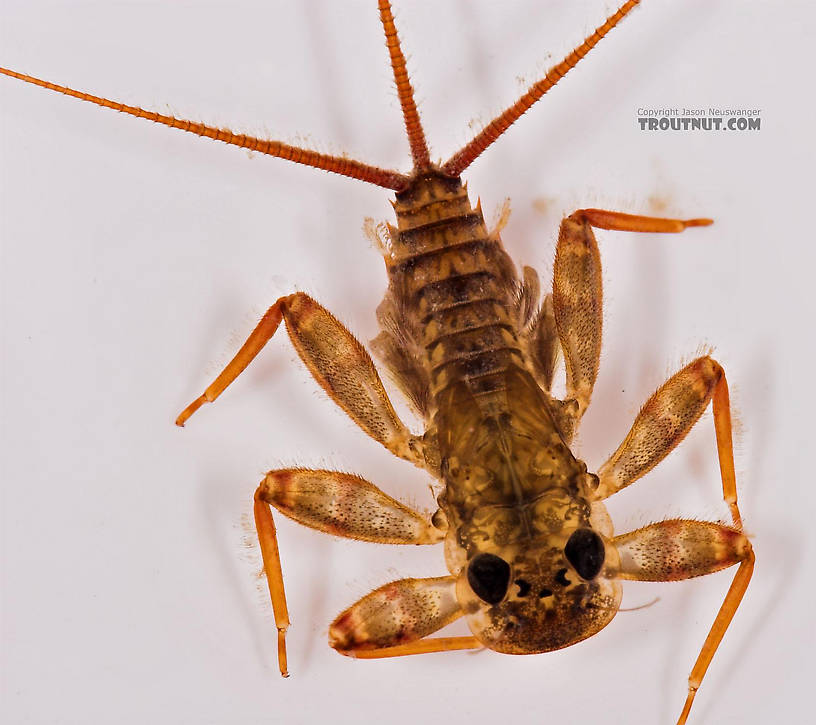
(680, 549)
(338, 362)
(577, 292)
(393, 620)
(335, 503)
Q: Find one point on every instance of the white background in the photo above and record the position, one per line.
(135, 260)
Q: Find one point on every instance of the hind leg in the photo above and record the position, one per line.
(577, 291)
(338, 362)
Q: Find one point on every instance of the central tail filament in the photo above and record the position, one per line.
(416, 135)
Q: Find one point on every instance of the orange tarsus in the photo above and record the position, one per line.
(262, 334)
(618, 221)
(729, 607)
(469, 153)
(721, 403)
(413, 126)
(335, 164)
(427, 645)
(185, 414)
(268, 539)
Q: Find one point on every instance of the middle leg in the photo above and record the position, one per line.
(335, 503)
(665, 420)
(673, 550)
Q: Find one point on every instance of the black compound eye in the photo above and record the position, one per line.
(585, 551)
(489, 577)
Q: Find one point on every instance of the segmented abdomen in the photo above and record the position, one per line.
(452, 290)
